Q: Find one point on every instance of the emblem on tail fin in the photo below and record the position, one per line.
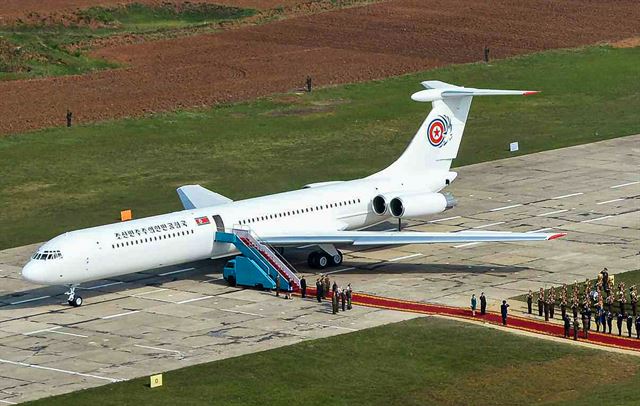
(439, 131)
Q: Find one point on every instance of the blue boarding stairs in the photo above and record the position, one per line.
(258, 265)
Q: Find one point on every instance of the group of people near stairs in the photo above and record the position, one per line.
(595, 304)
(340, 297)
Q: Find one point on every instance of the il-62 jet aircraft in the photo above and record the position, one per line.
(321, 214)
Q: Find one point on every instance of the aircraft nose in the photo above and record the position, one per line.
(30, 272)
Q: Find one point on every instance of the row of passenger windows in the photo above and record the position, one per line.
(300, 211)
(47, 255)
(151, 239)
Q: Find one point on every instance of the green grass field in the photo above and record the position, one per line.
(62, 179)
(408, 363)
(51, 48)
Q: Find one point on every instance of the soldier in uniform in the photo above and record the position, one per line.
(552, 301)
(483, 303)
(278, 285)
(588, 312)
(563, 307)
(319, 290)
(629, 324)
(303, 287)
(574, 307)
(343, 299)
(546, 309)
(634, 299)
(585, 321)
(605, 280)
(563, 294)
(334, 287)
(567, 325)
(621, 298)
(326, 286)
(334, 303)
(540, 301)
(529, 300)
(576, 327)
(349, 296)
(609, 302)
(619, 323)
(610, 321)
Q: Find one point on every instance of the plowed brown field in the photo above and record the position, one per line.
(340, 46)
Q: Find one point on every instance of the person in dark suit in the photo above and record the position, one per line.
(576, 327)
(619, 323)
(638, 327)
(483, 303)
(529, 300)
(610, 321)
(503, 312)
(303, 287)
(629, 324)
(319, 290)
(567, 326)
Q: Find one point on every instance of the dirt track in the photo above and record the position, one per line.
(335, 47)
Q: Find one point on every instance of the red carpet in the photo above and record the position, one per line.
(521, 323)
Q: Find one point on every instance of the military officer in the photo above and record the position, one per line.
(540, 301)
(529, 300)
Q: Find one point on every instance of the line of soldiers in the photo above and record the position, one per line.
(603, 314)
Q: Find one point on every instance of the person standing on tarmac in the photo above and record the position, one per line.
(334, 303)
(629, 324)
(483, 304)
(540, 301)
(303, 287)
(576, 327)
(567, 326)
(529, 300)
(546, 309)
(327, 286)
(349, 297)
(610, 321)
(638, 327)
(503, 312)
(619, 323)
(473, 304)
(585, 325)
(334, 288)
(278, 285)
(552, 301)
(343, 299)
(319, 290)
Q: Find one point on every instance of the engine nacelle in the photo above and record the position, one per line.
(420, 204)
(379, 204)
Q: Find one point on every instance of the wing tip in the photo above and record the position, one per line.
(530, 92)
(557, 235)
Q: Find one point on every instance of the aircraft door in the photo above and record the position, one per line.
(219, 223)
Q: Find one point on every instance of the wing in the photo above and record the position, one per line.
(406, 237)
(195, 197)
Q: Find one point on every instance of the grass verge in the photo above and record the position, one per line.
(60, 179)
(425, 361)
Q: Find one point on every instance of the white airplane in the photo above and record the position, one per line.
(323, 214)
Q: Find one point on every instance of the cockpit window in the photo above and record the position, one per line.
(47, 255)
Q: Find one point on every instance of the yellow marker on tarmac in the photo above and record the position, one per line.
(156, 380)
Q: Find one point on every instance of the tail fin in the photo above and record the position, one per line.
(437, 141)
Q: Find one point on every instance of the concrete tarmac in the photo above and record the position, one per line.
(173, 317)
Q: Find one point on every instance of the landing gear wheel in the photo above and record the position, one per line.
(336, 260)
(323, 260)
(76, 301)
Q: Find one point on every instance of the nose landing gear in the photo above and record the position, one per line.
(73, 299)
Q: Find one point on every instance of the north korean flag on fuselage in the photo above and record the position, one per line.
(202, 221)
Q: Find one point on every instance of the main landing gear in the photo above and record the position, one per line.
(321, 260)
(73, 299)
